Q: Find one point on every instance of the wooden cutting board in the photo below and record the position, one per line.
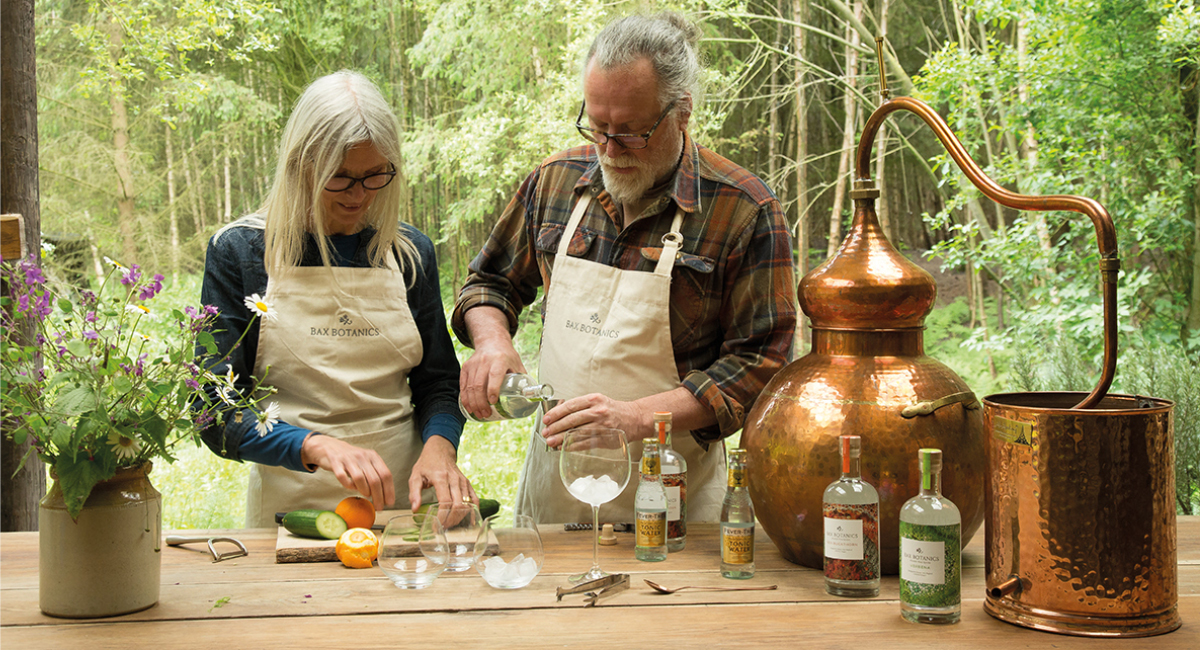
(289, 548)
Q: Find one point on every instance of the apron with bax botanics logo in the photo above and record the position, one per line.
(608, 330)
(338, 356)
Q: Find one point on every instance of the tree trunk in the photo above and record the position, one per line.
(228, 189)
(171, 207)
(1193, 317)
(120, 134)
(19, 491)
(800, 39)
(850, 107)
(193, 190)
(881, 144)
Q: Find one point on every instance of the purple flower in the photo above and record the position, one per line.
(204, 418)
(90, 317)
(87, 298)
(211, 310)
(152, 289)
(23, 303)
(41, 305)
(91, 335)
(192, 383)
(39, 340)
(33, 273)
(131, 275)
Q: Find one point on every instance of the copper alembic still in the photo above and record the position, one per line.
(1077, 489)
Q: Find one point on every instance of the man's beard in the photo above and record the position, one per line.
(629, 188)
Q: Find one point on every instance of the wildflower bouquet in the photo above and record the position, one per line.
(95, 392)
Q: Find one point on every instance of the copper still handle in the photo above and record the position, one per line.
(968, 399)
(1106, 235)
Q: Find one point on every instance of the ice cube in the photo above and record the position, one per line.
(527, 568)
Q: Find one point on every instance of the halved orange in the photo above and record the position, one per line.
(357, 548)
(357, 511)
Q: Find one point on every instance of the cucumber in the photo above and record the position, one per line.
(488, 507)
(319, 524)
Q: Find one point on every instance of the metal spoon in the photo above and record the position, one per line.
(664, 590)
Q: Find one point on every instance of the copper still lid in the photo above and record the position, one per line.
(867, 284)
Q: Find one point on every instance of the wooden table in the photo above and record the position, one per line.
(254, 603)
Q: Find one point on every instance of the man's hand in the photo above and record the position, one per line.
(355, 468)
(494, 357)
(437, 468)
(596, 410)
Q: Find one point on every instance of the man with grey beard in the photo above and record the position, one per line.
(668, 273)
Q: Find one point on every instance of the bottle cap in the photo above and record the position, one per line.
(931, 460)
(662, 416)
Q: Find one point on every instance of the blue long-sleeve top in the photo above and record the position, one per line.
(234, 268)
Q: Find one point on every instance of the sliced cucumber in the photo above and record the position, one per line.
(319, 524)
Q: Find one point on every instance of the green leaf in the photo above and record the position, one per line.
(206, 340)
(77, 477)
(65, 305)
(77, 401)
(78, 348)
(122, 384)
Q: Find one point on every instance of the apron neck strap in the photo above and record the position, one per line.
(672, 241)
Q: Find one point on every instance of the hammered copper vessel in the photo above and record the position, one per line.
(867, 374)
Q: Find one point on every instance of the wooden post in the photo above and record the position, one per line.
(19, 493)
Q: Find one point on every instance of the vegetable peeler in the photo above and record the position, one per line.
(176, 540)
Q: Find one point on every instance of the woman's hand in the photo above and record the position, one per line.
(437, 468)
(355, 468)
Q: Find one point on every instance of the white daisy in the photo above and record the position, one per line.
(227, 395)
(48, 247)
(113, 263)
(260, 306)
(123, 446)
(267, 419)
(137, 309)
(230, 378)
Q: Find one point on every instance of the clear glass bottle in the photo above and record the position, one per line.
(650, 508)
(674, 480)
(930, 550)
(520, 396)
(737, 522)
(851, 510)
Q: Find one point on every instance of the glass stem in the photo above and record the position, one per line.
(596, 538)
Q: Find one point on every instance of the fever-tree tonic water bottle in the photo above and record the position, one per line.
(930, 550)
(520, 396)
(650, 508)
(674, 480)
(851, 509)
(737, 522)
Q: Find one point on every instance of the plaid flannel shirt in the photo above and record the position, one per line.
(733, 288)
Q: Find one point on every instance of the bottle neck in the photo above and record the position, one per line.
(851, 467)
(931, 484)
(537, 392)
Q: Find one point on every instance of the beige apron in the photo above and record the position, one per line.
(339, 355)
(608, 330)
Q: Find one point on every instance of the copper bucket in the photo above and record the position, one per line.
(1081, 514)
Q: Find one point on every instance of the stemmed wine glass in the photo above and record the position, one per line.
(594, 466)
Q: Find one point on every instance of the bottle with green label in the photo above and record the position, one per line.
(930, 550)
(737, 522)
(650, 508)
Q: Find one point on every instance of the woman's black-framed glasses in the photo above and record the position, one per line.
(370, 182)
(626, 140)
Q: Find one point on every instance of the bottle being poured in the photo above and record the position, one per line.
(520, 396)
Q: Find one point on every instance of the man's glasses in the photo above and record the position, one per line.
(626, 140)
(372, 182)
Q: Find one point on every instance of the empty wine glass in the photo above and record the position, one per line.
(513, 555)
(413, 552)
(464, 532)
(594, 466)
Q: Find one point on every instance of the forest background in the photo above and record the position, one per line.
(158, 122)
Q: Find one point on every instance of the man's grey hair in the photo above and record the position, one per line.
(667, 39)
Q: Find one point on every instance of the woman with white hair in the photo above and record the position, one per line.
(351, 331)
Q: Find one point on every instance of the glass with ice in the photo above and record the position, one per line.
(513, 554)
(594, 466)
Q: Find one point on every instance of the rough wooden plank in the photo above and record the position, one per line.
(12, 237)
(812, 626)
